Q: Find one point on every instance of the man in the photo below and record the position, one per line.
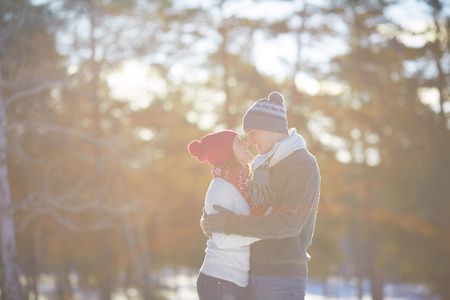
(287, 179)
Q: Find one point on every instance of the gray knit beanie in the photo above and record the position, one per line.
(267, 114)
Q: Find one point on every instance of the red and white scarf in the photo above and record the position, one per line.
(240, 178)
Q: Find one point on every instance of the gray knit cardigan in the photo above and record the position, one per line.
(287, 233)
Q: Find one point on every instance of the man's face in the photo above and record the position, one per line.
(262, 140)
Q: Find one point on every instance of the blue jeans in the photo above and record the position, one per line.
(211, 288)
(278, 288)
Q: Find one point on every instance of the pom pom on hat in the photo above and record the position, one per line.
(194, 148)
(276, 98)
(267, 114)
(215, 148)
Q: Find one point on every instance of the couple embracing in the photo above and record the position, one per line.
(260, 211)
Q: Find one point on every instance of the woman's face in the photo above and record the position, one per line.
(240, 150)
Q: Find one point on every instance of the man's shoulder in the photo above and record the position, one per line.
(300, 157)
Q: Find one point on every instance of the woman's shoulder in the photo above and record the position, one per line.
(219, 183)
(222, 193)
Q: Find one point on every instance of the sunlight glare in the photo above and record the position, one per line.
(136, 83)
(412, 15)
(332, 88)
(307, 84)
(416, 38)
(372, 156)
(344, 156)
(145, 134)
(430, 97)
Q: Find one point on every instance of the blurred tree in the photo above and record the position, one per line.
(220, 44)
(72, 142)
(231, 67)
(99, 37)
(12, 16)
(174, 182)
(395, 137)
(93, 174)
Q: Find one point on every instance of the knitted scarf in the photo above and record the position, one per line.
(259, 190)
(240, 178)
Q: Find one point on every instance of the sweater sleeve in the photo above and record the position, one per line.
(298, 203)
(221, 193)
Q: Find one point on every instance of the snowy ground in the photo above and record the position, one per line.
(181, 285)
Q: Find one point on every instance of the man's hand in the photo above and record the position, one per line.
(214, 223)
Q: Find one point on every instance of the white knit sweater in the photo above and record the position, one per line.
(227, 256)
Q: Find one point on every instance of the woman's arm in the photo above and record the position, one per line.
(298, 203)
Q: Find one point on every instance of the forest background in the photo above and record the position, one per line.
(99, 99)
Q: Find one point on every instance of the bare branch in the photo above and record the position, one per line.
(58, 129)
(111, 144)
(76, 228)
(43, 202)
(33, 90)
(36, 204)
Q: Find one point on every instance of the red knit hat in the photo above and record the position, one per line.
(214, 147)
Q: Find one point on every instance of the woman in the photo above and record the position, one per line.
(224, 273)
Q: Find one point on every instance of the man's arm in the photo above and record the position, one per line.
(298, 204)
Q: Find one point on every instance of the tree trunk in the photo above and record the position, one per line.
(359, 252)
(226, 76)
(11, 289)
(30, 271)
(106, 261)
(376, 280)
(34, 271)
(138, 261)
(147, 281)
(64, 287)
(326, 291)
